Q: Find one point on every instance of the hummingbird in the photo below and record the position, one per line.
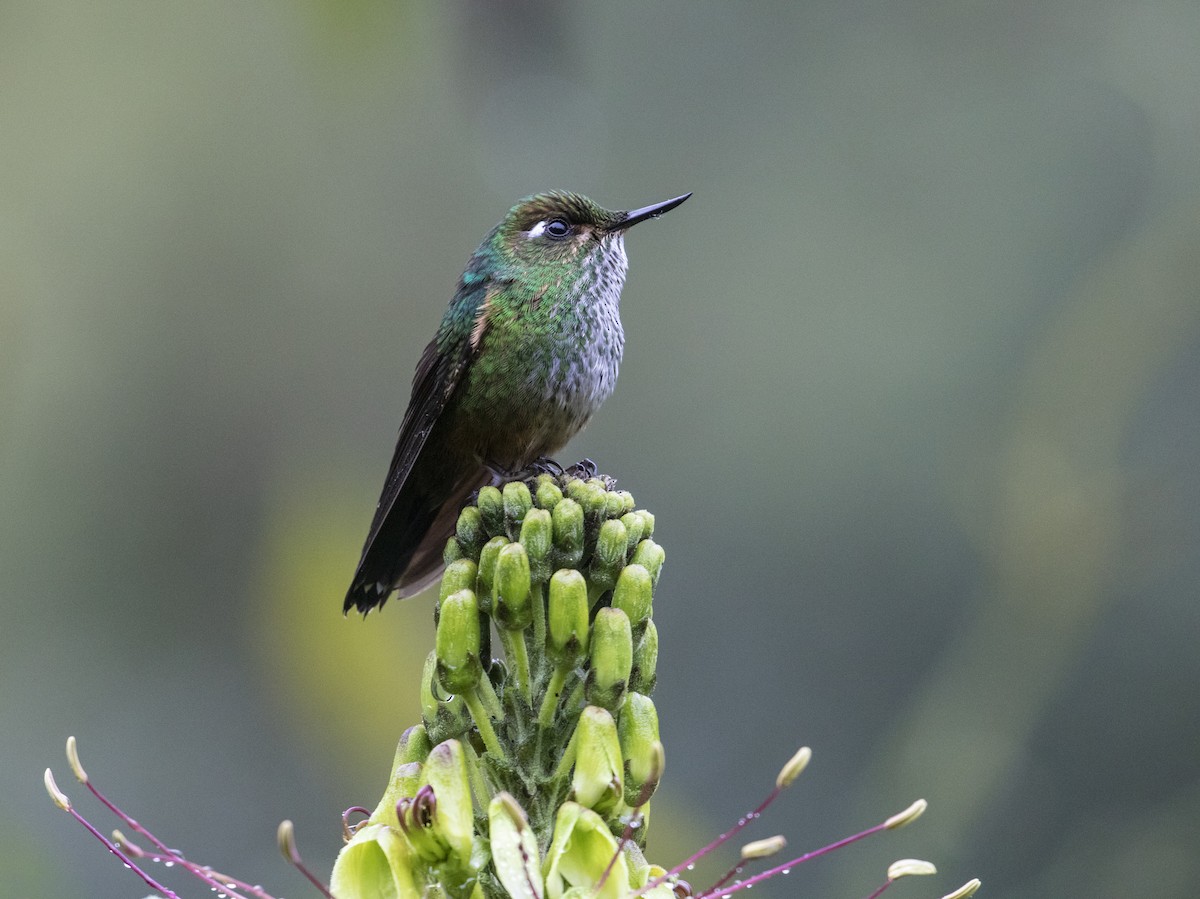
(527, 351)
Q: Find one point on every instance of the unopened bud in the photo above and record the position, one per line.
(414, 746)
(612, 658)
(512, 609)
(537, 536)
(484, 588)
(635, 528)
(517, 502)
(644, 674)
(567, 618)
(609, 557)
(647, 522)
(650, 556)
(469, 530)
(567, 518)
(634, 595)
(594, 499)
(596, 781)
(453, 551)
(548, 494)
(491, 507)
(637, 728)
(459, 575)
(458, 635)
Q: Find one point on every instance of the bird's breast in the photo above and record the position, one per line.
(537, 380)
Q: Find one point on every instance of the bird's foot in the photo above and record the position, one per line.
(584, 468)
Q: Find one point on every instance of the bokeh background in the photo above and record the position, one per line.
(912, 385)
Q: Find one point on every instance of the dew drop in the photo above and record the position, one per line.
(786, 871)
(692, 866)
(168, 864)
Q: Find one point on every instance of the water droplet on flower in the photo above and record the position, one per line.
(168, 864)
(786, 871)
(692, 867)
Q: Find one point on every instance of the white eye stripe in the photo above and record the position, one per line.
(537, 230)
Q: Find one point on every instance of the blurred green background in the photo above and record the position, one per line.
(912, 385)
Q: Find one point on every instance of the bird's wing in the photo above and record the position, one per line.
(439, 372)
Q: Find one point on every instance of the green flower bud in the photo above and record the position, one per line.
(458, 636)
(594, 499)
(596, 780)
(612, 658)
(609, 557)
(485, 587)
(648, 521)
(444, 715)
(645, 661)
(637, 727)
(568, 618)
(414, 746)
(614, 503)
(470, 531)
(548, 494)
(567, 518)
(511, 606)
(517, 502)
(453, 551)
(650, 556)
(376, 862)
(576, 488)
(580, 855)
(514, 848)
(635, 527)
(634, 595)
(537, 536)
(412, 750)
(491, 507)
(459, 575)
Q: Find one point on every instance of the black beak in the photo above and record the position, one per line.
(648, 212)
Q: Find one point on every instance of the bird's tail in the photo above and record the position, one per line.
(405, 553)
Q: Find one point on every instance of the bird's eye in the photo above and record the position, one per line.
(557, 228)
